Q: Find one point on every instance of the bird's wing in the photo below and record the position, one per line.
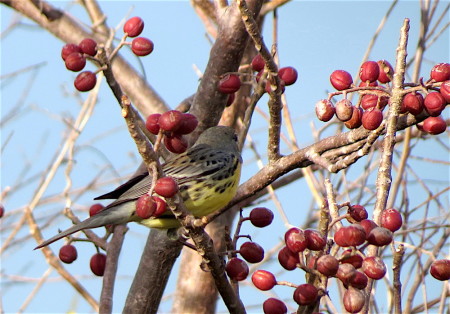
(115, 194)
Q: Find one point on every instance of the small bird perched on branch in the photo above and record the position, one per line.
(207, 174)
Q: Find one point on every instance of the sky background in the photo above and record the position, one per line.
(315, 37)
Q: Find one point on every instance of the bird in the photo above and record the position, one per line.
(207, 174)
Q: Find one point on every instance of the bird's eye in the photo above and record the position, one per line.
(235, 138)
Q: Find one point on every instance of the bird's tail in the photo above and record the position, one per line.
(109, 216)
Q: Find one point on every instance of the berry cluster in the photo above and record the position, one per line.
(75, 56)
(230, 83)
(173, 124)
(368, 112)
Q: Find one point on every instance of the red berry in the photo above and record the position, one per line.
(261, 217)
(358, 212)
(68, 253)
(374, 267)
(355, 120)
(166, 187)
(391, 219)
(229, 84)
(305, 294)
(353, 235)
(369, 101)
(434, 103)
(359, 281)
(145, 206)
(75, 62)
(287, 259)
(341, 79)
(369, 71)
(176, 144)
(274, 306)
(152, 124)
(315, 240)
(88, 46)
(95, 209)
(98, 264)
(379, 236)
(134, 26)
(325, 110)
(354, 259)
(354, 300)
(263, 280)
(142, 46)
(327, 265)
(372, 118)
(188, 124)
(2, 210)
(295, 240)
(386, 71)
(288, 74)
(85, 81)
(345, 273)
(69, 49)
(171, 120)
(252, 252)
(236, 269)
(160, 206)
(440, 269)
(445, 91)
(258, 63)
(344, 110)
(440, 72)
(366, 84)
(434, 125)
(412, 103)
(368, 225)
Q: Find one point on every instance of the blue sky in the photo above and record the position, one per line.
(315, 37)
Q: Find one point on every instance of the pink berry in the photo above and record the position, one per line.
(325, 110)
(69, 49)
(166, 187)
(386, 71)
(391, 219)
(236, 269)
(359, 281)
(369, 71)
(134, 26)
(85, 81)
(68, 253)
(346, 272)
(75, 62)
(341, 79)
(160, 206)
(229, 84)
(380, 236)
(151, 124)
(288, 74)
(295, 240)
(327, 265)
(440, 269)
(445, 90)
(88, 46)
(274, 306)
(354, 300)
(344, 110)
(372, 118)
(305, 294)
(176, 143)
(352, 235)
(287, 259)
(440, 72)
(355, 120)
(95, 209)
(252, 252)
(412, 103)
(261, 217)
(374, 267)
(171, 120)
(142, 46)
(145, 206)
(434, 103)
(434, 125)
(188, 124)
(315, 240)
(349, 257)
(258, 63)
(98, 264)
(263, 280)
(358, 212)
